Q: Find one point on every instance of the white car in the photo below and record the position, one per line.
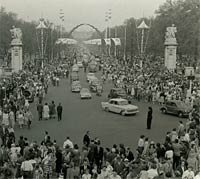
(75, 68)
(119, 105)
(89, 76)
(85, 93)
(80, 64)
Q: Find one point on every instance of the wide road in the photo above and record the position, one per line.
(82, 115)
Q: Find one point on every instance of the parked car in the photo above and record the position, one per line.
(85, 93)
(76, 86)
(176, 107)
(117, 93)
(119, 105)
(89, 76)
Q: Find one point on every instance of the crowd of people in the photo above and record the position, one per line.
(177, 156)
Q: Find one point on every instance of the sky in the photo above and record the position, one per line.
(82, 11)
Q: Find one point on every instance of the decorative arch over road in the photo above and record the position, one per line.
(93, 27)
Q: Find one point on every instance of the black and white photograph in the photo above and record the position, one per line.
(99, 89)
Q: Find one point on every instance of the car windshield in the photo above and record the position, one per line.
(123, 102)
(182, 104)
(84, 90)
(120, 91)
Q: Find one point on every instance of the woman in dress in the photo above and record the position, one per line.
(20, 119)
(5, 120)
(46, 111)
(12, 118)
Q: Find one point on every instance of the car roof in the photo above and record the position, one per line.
(90, 74)
(76, 82)
(175, 101)
(118, 99)
(117, 89)
(85, 89)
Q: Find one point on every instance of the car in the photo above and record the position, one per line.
(80, 64)
(120, 106)
(75, 68)
(85, 93)
(92, 66)
(74, 76)
(76, 86)
(117, 93)
(176, 107)
(89, 76)
(95, 84)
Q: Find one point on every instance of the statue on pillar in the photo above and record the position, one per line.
(170, 36)
(16, 34)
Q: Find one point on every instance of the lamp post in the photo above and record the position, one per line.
(125, 29)
(142, 27)
(41, 28)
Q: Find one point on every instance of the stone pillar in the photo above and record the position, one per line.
(170, 56)
(16, 55)
(170, 48)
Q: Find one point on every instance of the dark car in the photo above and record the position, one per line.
(117, 93)
(94, 85)
(176, 107)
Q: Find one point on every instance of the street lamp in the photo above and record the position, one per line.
(125, 29)
(40, 29)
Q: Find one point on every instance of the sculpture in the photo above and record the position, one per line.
(16, 33)
(170, 33)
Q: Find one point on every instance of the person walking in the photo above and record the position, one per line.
(40, 110)
(149, 118)
(59, 111)
(46, 111)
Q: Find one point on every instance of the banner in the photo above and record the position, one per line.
(65, 41)
(108, 42)
(117, 41)
(93, 42)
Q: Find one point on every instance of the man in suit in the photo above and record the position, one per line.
(3, 133)
(59, 111)
(40, 110)
(98, 153)
(86, 139)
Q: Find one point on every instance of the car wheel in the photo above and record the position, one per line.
(123, 113)
(106, 109)
(164, 111)
(180, 114)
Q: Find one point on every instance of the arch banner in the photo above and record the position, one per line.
(93, 42)
(108, 42)
(65, 41)
(116, 41)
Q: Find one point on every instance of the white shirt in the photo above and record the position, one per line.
(169, 154)
(68, 142)
(86, 176)
(197, 176)
(152, 173)
(141, 143)
(188, 175)
(27, 166)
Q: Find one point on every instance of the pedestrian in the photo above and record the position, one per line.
(59, 111)
(86, 139)
(52, 110)
(40, 110)
(149, 118)
(46, 111)
(28, 117)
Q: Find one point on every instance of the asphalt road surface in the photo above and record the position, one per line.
(82, 115)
